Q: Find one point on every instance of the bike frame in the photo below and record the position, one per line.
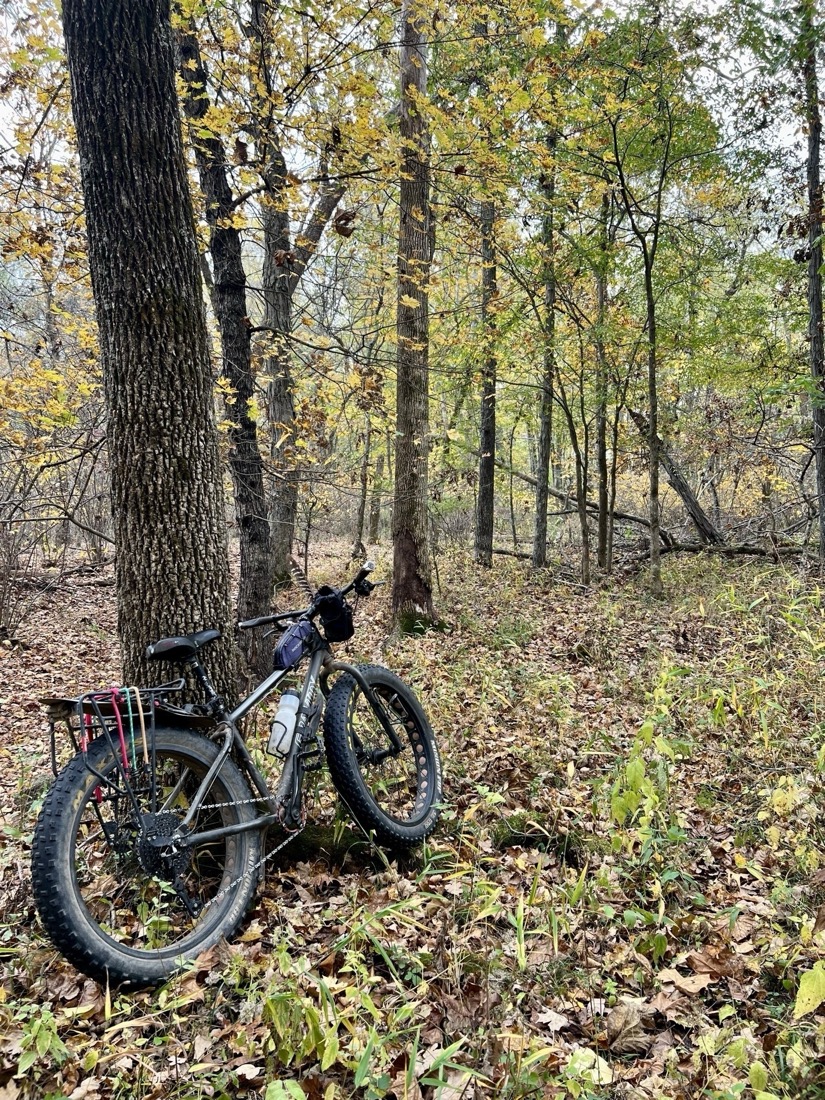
(322, 664)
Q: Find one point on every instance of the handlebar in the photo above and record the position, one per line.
(359, 577)
(356, 583)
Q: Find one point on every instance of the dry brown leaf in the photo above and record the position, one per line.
(551, 1021)
(89, 1087)
(626, 1028)
(716, 964)
(692, 984)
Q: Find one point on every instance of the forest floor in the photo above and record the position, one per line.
(625, 898)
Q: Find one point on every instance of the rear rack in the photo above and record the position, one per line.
(118, 713)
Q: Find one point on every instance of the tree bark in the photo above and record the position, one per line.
(602, 383)
(170, 539)
(816, 349)
(228, 293)
(485, 507)
(412, 600)
(375, 501)
(545, 440)
(358, 538)
(653, 420)
(283, 266)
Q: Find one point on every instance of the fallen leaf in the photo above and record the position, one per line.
(717, 965)
(552, 1021)
(811, 992)
(625, 1028)
(694, 983)
(201, 1044)
(457, 1086)
(586, 1065)
(248, 1071)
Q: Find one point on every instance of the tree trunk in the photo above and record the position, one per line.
(280, 406)
(228, 292)
(167, 501)
(485, 507)
(653, 434)
(701, 521)
(602, 383)
(375, 502)
(810, 35)
(545, 440)
(283, 266)
(412, 601)
(358, 538)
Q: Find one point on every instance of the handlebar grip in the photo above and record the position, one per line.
(363, 572)
(247, 624)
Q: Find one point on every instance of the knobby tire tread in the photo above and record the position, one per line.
(73, 933)
(345, 771)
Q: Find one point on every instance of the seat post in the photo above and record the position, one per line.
(193, 665)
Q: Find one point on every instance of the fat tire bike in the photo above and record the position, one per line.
(150, 843)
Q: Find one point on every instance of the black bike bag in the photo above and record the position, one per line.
(336, 614)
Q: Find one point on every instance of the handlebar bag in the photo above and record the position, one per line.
(295, 641)
(336, 614)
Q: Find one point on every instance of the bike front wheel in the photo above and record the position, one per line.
(392, 790)
(118, 906)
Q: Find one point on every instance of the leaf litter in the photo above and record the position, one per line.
(624, 899)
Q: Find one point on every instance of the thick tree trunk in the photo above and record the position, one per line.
(485, 507)
(816, 351)
(545, 439)
(170, 539)
(412, 600)
(228, 292)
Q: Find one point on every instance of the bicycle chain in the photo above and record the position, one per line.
(235, 802)
(251, 870)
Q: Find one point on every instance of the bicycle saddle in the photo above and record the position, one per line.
(181, 648)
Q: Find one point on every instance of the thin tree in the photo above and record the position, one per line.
(170, 539)
(285, 261)
(485, 506)
(809, 40)
(228, 293)
(412, 600)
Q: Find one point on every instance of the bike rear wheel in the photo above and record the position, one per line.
(119, 907)
(393, 794)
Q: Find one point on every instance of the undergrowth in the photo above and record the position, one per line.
(624, 899)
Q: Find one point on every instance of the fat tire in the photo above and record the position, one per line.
(347, 774)
(63, 912)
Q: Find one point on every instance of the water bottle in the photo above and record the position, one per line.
(282, 729)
